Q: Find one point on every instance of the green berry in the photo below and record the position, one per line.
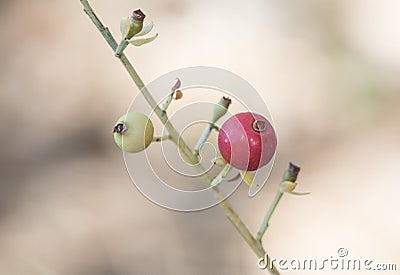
(133, 132)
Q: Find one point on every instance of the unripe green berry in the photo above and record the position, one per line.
(133, 132)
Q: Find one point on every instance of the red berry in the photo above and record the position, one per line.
(247, 141)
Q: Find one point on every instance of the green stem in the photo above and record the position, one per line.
(121, 47)
(161, 138)
(204, 136)
(229, 212)
(219, 178)
(168, 101)
(268, 216)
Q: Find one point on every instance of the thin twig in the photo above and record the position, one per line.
(268, 216)
(204, 136)
(287, 185)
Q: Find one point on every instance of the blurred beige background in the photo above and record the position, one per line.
(329, 71)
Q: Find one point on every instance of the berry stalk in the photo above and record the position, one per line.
(220, 110)
(287, 186)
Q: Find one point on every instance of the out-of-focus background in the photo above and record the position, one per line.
(329, 71)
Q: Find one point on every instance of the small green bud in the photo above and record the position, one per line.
(133, 27)
(133, 132)
(135, 23)
(221, 108)
(291, 173)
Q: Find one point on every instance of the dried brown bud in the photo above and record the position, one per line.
(259, 125)
(120, 128)
(225, 101)
(291, 173)
(138, 15)
(178, 94)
